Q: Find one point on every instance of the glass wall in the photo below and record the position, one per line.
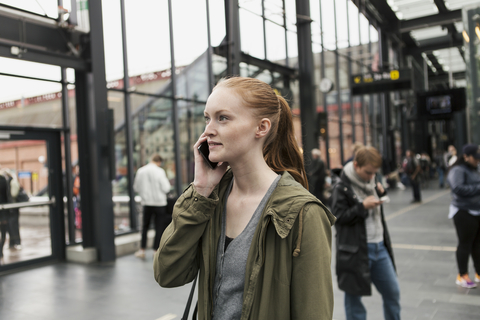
(158, 87)
(347, 42)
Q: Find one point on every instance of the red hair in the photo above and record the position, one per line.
(281, 151)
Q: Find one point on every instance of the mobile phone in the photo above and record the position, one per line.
(385, 199)
(204, 151)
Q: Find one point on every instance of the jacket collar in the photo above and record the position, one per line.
(284, 204)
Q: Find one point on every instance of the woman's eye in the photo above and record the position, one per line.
(207, 119)
(222, 118)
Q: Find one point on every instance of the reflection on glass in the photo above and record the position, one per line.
(192, 82)
(30, 103)
(121, 209)
(25, 232)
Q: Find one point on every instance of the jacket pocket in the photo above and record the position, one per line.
(348, 248)
(347, 257)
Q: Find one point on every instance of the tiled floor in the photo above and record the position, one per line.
(424, 243)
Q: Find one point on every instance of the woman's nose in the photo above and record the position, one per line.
(209, 129)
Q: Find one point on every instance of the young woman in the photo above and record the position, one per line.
(261, 241)
(364, 250)
(464, 181)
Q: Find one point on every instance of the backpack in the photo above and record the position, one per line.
(409, 166)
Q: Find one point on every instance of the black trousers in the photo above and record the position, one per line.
(14, 227)
(162, 219)
(468, 233)
(416, 189)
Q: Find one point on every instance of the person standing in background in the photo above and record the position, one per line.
(316, 181)
(451, 156)
(152, 184)
(364, 251)
(411, 167)
(440, 167)
(464, 181)
(4, 214)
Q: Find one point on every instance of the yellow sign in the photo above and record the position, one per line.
(34, 176)
(368, 80)
(357, 79)
(394, 74)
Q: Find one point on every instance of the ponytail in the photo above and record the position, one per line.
(282, 153)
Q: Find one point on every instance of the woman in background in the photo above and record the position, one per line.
(464, 181)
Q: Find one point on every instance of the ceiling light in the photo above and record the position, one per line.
(446, 68)
(436, 53)
(477, 31)
(465, 36)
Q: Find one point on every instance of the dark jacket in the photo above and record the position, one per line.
(465, 185)
(353, 272)
(288, 272)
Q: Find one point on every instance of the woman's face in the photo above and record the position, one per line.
(230, 127)
(366, 173)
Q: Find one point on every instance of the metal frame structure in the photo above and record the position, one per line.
(32, 37)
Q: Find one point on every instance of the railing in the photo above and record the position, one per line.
(26, 204)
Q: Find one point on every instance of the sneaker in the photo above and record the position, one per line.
(465, 281)
(140, 254)
(477, 277)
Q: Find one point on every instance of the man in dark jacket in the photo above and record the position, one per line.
(316, 180)
(364, 252)
(411, 167)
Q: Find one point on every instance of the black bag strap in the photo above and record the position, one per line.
(189, 302)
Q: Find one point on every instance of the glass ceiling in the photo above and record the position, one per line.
(450, 59)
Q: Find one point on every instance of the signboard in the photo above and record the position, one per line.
(376, 82)
(24, 174)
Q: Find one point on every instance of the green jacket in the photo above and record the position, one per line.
(288, 272)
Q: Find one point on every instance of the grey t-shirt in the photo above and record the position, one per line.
(232, 262)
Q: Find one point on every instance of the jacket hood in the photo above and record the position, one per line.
(285, 203)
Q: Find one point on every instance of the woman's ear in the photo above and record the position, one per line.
(263, 128)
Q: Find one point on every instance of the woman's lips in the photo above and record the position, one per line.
(214, 144)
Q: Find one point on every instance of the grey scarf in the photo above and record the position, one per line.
(363, 189)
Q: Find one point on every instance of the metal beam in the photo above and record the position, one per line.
(232, 21)
(438, 43)
(40, 40)
(306, 78)
(43, 56)
(221, 50)
(444, 77)
(439, 19)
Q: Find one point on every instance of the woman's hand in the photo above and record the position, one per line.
(371, 202)
(205, 178)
